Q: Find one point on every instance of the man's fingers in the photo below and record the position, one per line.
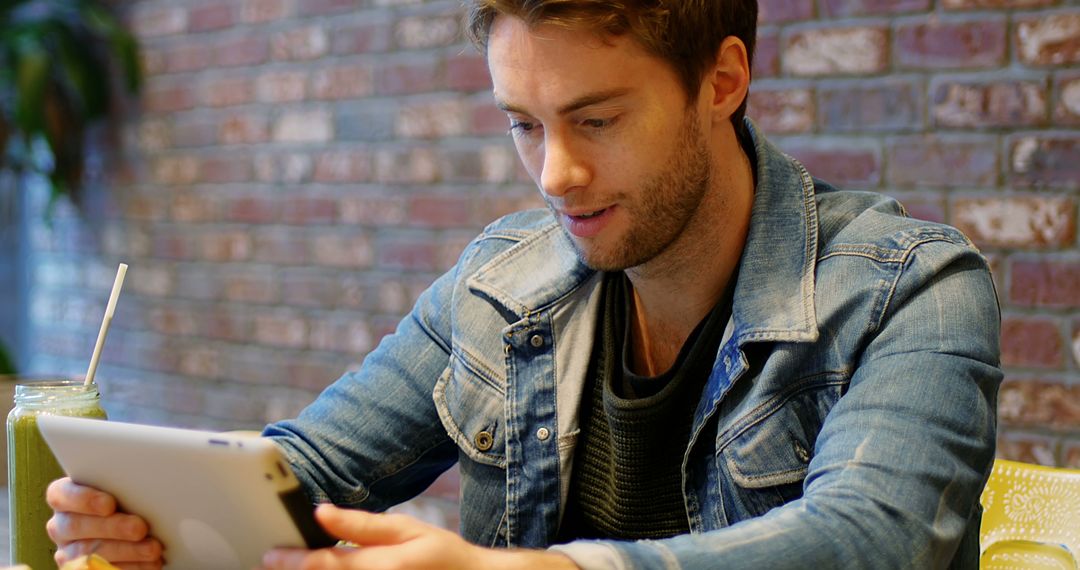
(298, 559)
(65, 495)
(144, 553)
(68, 527)
(367, 529)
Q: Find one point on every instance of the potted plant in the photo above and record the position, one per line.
(62, 65)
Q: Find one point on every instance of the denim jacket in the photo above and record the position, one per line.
(849, 419)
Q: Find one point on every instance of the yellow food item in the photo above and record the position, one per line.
(91, 562)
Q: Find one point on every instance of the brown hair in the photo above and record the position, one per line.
(685, 33)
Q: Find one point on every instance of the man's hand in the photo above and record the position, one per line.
(85, 519)
(402, 542)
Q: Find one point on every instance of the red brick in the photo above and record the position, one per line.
(1067, 96)
(342, 249)
(200, 362)
(262, 11)
(352, 336)
(310, 373)
(413, 165)
(1031, 402)
(225, 168)
(1028, 448)
(766, 59)
(161, 98)
(1076, 341)
(876, 105)
(994, 4)
(283, 330)
(244, 129)
(251, 287)
(253, 209)
(307, 288)
(342, 82)
(487, 119)
(319, 7)
(1045, 283)
(433, 119)
(1032, 342)
(172, 321)
(1045, 160)
(192, 56)
(314, 126)
(468, 72)
(439, 210)
(1071, 455)
(368, 37)
(281, 246)
(343, 166)
(845, 163)
(190, 132)
(152, 134)
(408, 77)
(777, 11)
(780, 111)
(958, 103)
(227, 325)
(161, 20)
(849, 50)
(246, 50)
(308, 211)
(281, 86)
(942, 161)
(227, 245)
(923, 205)
(174, 246)
(300, 44)
(951, 44)
(175, 170)
(1051, 39)
(210, 17)
(418, 32)
(227, 91)
(374, 209)
(407, 252)
(194, 206)
(848, 8)
(1033, 221)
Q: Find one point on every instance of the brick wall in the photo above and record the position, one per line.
(296, 172)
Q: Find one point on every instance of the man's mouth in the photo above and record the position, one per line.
(590, 214)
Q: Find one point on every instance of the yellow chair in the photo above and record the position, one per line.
(1031, 518)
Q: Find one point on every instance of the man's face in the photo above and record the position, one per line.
(605, 131)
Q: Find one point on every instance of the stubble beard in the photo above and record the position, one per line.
(667, 203)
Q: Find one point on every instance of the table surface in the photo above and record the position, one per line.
(4, 536)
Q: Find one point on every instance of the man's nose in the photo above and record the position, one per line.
(564, 168)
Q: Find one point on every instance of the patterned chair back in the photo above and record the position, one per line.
(1031, 518)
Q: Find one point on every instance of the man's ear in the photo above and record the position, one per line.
(728, 78)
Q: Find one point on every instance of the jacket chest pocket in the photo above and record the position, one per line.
(764, 464)
(471, 410)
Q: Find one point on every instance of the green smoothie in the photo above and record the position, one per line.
(31, 465)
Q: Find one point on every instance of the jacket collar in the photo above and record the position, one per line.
(774, 296)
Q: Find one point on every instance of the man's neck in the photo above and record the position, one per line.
(675, 291)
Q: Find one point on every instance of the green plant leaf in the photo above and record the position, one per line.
(7, 364)
(31, 81)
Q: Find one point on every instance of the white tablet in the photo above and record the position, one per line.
(214, 500)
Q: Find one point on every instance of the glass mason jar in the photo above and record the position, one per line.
(31, 465)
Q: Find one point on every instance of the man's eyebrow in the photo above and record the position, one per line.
(580, 103)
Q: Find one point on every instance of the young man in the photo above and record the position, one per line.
(698, 357)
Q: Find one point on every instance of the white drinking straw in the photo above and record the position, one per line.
(109, 310)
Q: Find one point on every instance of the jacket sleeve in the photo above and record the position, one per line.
(373, 438)
(901, 458)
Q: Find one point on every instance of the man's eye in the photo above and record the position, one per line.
(521, 127)
(596, 123)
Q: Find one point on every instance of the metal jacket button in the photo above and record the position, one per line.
(543, 433)
(484, 441)
(537, 341)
